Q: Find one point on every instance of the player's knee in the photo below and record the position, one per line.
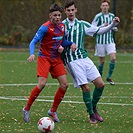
(100, 85)
(102, 62)
(86, 89)
(113, 59)
(64, 86)
(41, 86)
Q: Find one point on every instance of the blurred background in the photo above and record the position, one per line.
(20, 19)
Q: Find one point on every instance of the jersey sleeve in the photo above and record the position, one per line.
(90, 29)
(107, 28)
(66, 43)
(38, 37)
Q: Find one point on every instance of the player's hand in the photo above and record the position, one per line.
(116, 19)
(115, 29)
(60, 49)
(73, 47)
(105, 24)
(31, 58)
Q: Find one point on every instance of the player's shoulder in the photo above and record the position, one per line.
(84, 22)
(64, 21)
(44, 26)
(47, 23)
(98, 14)
(111, 14)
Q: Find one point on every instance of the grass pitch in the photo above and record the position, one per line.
(18, 77)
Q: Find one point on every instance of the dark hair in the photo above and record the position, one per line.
(108, 1)
(69, 3)
(56, 7)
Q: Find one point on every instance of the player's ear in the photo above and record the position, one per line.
(101, 6)
(76, 10)
(50, 15)
(64, 10)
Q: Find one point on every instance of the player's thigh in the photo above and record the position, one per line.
(43, 67)
(63, 81)
(62, 78)
(92, 73)
(78, 72)
(41, 82)
(57, 69)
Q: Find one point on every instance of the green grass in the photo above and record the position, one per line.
(115, 106)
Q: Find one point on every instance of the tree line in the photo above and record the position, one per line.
(20, 19)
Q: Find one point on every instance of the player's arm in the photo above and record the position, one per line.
(115, 29)
(103, 30)
(38, 37)
(92, 30)
(66, 43)
(95, 22)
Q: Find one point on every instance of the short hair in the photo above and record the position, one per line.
(56, 7)
(69, 3)
(108, 1)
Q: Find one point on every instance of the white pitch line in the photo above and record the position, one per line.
(65, 97)
(24, 61)
(32, 84)
(74, 102)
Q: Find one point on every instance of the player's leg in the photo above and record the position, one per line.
(97, 93)
(94, 76)
(78, 70)
(34, 94)
(59, 73)
(59, 95)
(101, 65)
(87, 100)
(111, 50)
(100, 52)
(42, 71)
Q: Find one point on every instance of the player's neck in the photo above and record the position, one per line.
(105, 12)
(71, 20)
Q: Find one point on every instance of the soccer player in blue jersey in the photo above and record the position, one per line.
(78, 64)
(105, 42)
(51, 36)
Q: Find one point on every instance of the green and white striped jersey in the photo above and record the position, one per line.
(75, 32)
(99, 21)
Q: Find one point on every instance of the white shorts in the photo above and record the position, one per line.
(102, 49)
(82, 71)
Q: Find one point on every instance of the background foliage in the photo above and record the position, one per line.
(20, 19)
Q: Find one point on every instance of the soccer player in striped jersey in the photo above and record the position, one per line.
(78, 64)
(51, 38)
(105, 42)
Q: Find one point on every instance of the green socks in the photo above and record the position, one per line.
(100, 68)
(87, 101)
(111, 69)
(97, 95)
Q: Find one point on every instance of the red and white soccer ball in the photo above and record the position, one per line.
(45, 125)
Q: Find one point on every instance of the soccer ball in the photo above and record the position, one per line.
(45, 125)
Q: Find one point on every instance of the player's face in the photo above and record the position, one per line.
(71, 12)
(105, 7)
(55, 17)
